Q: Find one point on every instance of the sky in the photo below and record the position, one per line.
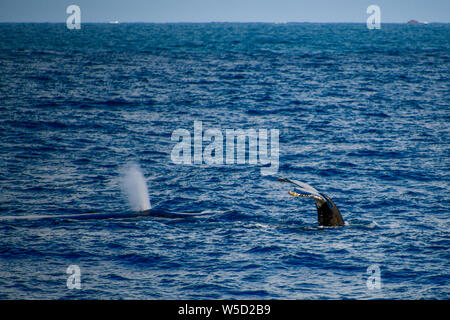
(224, 10)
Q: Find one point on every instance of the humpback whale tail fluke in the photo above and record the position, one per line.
(327, 212)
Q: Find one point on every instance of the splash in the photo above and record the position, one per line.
(134, 187)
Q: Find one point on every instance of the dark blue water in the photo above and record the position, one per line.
(363, 116)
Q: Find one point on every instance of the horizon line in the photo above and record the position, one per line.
(204, 22)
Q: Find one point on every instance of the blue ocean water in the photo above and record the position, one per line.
(363, 116)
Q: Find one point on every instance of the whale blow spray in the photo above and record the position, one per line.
(135, 187)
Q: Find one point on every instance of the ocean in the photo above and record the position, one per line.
(362, 115)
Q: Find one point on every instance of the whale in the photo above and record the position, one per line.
(153, 212)
(328, 214)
